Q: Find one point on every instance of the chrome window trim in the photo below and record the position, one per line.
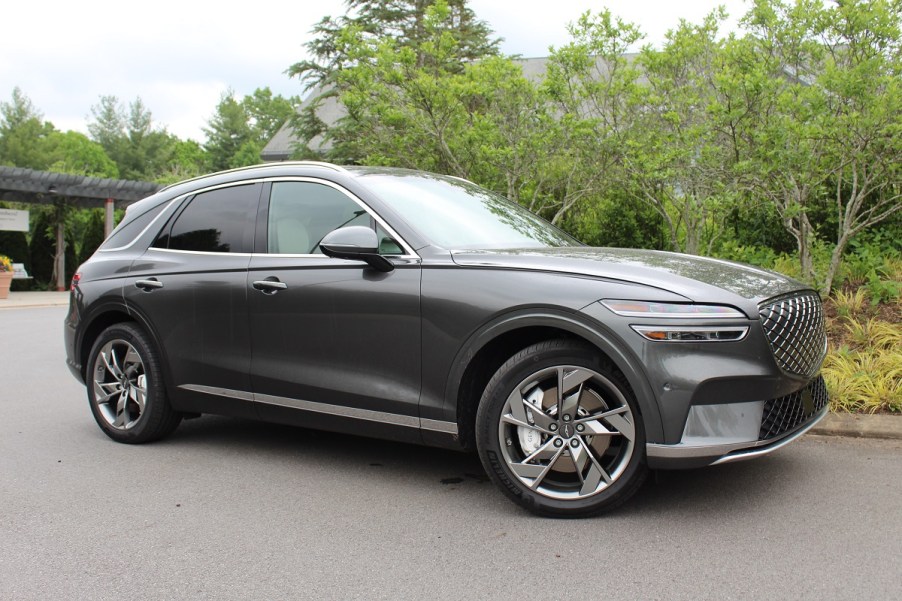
(198, 252)
(409, 253)
(395, 419)
(179, 199)
(144, 231)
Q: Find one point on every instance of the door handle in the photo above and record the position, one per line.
(270, 285)
(148, 285)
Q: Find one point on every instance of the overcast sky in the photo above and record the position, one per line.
(180, 56)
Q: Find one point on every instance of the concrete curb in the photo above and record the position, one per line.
(860, 426)
(30, 300)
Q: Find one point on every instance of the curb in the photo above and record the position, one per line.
(31, 300)
(860, 426)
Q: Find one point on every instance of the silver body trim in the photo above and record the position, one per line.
(727, 453)
(407, 421)
(214, 390)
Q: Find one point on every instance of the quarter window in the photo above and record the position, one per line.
(220, 220)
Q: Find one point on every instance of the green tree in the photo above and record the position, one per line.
(676, 153)
(826, 137)
(238, 130)
(405, 22)
(74, 152)
(23, 133)
(140, 150)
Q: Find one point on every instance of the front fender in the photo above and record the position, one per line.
(576, 324)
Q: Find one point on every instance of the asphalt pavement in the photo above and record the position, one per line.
(234, 509)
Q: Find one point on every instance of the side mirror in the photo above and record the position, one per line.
(355, 243)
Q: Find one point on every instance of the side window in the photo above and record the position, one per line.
(216, 221)
(128, 230)
(302, 213)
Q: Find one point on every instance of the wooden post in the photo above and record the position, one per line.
(60, 256)
(110, 220)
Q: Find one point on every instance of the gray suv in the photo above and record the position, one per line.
(422, 308)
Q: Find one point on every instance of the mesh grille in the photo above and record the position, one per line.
(787, 413)
(794, 326)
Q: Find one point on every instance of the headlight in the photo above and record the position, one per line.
(692, 334)
(671, 333)
(630, 308)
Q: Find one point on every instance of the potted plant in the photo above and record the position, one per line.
(6, 275)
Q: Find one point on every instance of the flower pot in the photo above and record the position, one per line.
(6, 278)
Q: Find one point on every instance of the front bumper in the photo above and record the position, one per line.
(730, 432)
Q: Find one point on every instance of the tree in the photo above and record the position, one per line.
(238, 130)
(140, 150)
(826, 138)
(23, 133)
(74, 152)
(373, 21)
(400, 20)
(676, 152)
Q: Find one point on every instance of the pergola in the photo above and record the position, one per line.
(45, 187)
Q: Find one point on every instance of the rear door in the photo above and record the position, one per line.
(332, 337)
(190, 288)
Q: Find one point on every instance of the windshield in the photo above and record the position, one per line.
(457, 215)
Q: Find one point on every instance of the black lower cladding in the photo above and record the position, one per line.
(788, 412)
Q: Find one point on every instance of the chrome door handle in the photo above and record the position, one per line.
(270, 286)
(148, 285)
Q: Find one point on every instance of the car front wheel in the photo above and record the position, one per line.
(125, 387)
(559, 432)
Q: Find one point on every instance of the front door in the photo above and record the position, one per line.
(333, 338)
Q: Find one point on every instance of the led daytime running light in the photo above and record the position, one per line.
(631, 308)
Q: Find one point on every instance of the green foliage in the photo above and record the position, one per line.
(140, 150)
(41, 248)
(864, 381)
(404, 21)
(72, 152)
(15, 246)
(239, 129)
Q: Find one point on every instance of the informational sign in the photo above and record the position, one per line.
(13, 221)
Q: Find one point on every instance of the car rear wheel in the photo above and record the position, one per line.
(559, 432)
(125, 387)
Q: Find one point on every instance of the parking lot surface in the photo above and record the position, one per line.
(233, 509)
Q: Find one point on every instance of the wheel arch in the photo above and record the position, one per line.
(99, 322)
(497, 341)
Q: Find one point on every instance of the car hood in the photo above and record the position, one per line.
(699, 279)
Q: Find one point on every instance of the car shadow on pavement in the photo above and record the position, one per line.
(705, 493)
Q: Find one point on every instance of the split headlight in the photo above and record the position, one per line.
(680, 333)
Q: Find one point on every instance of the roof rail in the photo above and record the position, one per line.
(323, 164)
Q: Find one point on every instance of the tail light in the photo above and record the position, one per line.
(74, 284)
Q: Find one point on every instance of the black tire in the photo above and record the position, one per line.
(122, 363)
(561, 472)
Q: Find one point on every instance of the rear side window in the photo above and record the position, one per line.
(219, 221)
(127, 231)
